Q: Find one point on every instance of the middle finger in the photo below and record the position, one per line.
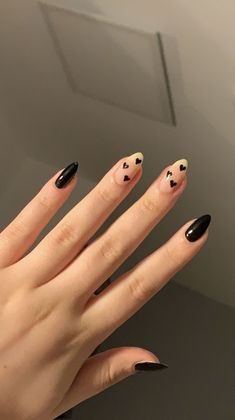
(101, 259)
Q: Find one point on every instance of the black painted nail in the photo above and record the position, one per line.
(66, 175)
(149, 366)
(198, 228)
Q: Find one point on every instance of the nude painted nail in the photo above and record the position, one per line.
(174, 176)
(128, 168)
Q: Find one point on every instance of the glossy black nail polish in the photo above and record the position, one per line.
(198, 228)
(66, 175)
(149, 366)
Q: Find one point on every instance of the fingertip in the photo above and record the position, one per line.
(143, 356)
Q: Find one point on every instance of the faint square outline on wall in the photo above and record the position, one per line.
(46, 6)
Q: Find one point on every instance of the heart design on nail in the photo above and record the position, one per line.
(169, 173)
(182, 167)
(125, 166)
(173, 183)
(138, 161)
(126, 178)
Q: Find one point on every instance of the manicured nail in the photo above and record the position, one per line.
(174, 176)
(66, 175)
(198, 228)
(128, 168)
(149, 366)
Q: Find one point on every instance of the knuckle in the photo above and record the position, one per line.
(105, 194)
(66, 235)
(138, 289)
(173, 257)
(43, 201)
(111, 251)
(108, 375)
(16, 228)
(150, 203)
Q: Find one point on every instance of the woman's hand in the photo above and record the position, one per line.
(51, 321)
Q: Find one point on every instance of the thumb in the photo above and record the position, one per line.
(104, 370)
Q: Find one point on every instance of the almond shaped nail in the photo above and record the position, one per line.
(150, 366)
(128, 168)
(197, 229)
(66, 175)
(174, 176)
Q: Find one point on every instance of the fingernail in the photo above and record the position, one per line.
(149, 366)
(66, 175)
(128, 168)
(198, 228)
(174, 176)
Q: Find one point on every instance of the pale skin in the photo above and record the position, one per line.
(51, 321)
